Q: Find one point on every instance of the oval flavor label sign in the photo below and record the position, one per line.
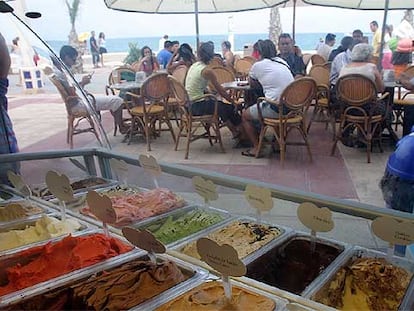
(18, 183)
(205, 188)
(393, 231)
(143, 239)
(223, 258)
(59, 186)
(101, 207)
(150, 164)
(259, 198)
(318, 219)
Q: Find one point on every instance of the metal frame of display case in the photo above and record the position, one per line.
(102, 157)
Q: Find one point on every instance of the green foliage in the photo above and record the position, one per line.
(134, 53)
(73, 10)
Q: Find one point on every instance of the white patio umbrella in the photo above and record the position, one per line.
(384, 5)
(190, 7)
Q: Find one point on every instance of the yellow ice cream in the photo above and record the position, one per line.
(366, 284)
(210, 297)
(45, 228)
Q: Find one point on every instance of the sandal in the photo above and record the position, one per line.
(248, 153)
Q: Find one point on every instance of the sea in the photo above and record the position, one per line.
(306, 41)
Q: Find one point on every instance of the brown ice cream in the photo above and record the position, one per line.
(18, 209)
(366, 284)
(119, 288)
(210, 296)
(245, 237)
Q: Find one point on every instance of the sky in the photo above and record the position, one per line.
(94, 15)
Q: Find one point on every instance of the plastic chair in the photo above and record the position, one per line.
(354, 91)
(296, 98)
(190, 125)
(149, 108)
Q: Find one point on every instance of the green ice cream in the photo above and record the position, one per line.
(172, 229)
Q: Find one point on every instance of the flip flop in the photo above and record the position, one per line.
(248, 153)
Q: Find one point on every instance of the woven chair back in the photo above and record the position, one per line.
(356, 89)
(179, 91)
(320, 74)
(317, 59)
(298, 94)
(180, 73)
(156, 87)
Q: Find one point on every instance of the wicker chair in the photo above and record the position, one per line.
(403, 99)
(296, 98)
(194, 127)
(242, 68)
(180, 72)
(75, 120)
(322, 111)
(118, 74)
(149, 108)
(355, 91)
(316, 59)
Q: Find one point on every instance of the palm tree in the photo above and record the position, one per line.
(73, 9)
(275, 25)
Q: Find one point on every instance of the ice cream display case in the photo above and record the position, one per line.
(232, 199)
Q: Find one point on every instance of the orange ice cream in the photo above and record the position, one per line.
(42, 263)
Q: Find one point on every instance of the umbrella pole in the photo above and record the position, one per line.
(384, 23)
(196, 24)
(294, 20)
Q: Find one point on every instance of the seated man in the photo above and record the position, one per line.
(408, 121)
(274, 74)
(165, 54)
(287, 52)
(68, 55)
(325, 49)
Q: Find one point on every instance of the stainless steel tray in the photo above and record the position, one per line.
(280, 302)
(157, 222)
(19, 257)
(79, 185)
(196, 274)
(277, 249)
(8, 195)
(30, 222)
(176, 249)
(360, 252)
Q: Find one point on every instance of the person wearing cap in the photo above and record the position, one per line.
(397, 184)
(376, 38)
(325, 49)
(402, 56)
